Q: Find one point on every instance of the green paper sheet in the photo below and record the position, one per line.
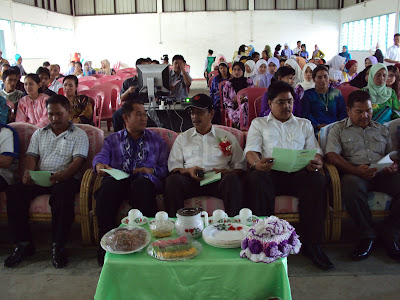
(41, 178)
(210, 178)
(288, 160)
(116, 174)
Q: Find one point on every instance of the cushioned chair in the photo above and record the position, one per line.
(169, 137)
(346, 90)
(40, 209)
(379, 203)
(252, 94)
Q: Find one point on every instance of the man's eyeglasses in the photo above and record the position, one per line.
(284, 102)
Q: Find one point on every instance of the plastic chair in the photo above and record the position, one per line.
(82, 87)
(118, 83)
(99, 75)
(252, 94)
(11, 114)
(98, 97)
(86, 78)
(111, 101)
(257, 105)
(211, 76)
(91, 83)
(346, 91)
(108, 78)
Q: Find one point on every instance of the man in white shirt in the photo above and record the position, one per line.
(205, 148)
(392, 55)
(9, 155)
(281, 129)
(298, 49)
(54, 73)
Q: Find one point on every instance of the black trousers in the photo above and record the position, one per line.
(355, 195)
(140, 192)
(309, 187)
(180, 187)
(62, 196)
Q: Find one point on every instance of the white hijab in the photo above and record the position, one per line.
(306, 85)
(335, 64)
(298, 73)
(252, 66)
(258, 75)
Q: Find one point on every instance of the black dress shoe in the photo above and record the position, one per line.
(60, 257)
(100, 256)
(392, 249)
(20, 253)
(363, 249)
(317, 256)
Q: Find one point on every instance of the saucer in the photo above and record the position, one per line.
(137, 222)
(250, 221)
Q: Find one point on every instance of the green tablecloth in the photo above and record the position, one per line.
(215, 274)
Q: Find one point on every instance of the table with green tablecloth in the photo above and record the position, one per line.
(215, 274)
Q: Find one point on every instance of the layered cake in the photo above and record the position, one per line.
(270, 239)
(177, 248)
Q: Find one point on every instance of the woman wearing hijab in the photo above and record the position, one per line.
(297, 70)
(370, 60)
(345, 53)
(273, 66)
(230, 90)
(322, 105)
(300, 61)
(318, 54)
(351, 67)
(18, 63)
(385, 105)
(268, 51)
(88, 71)
(308, 82)
(220, 58)
(286, 52)
(105, 68)
(223, 74)
(260, 71)
(336, 74)
(249, 69)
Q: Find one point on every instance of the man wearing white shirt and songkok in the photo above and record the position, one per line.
(205, 148)
(392, 55)
(281, 129)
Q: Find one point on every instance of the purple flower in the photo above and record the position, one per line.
(255, 246)
(293, 240)
(245, 243)
(271, 249)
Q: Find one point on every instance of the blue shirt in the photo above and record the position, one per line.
(214, 91)
(323, 108)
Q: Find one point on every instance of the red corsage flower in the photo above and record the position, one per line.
(225, 146)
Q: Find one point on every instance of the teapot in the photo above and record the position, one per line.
(189, 222)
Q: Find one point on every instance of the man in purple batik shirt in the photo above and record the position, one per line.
(139, 152)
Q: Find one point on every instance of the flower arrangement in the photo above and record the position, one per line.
(225, 146)
(270, 239)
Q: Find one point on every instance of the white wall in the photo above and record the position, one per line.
(128, 37)
(23, 13)
(367, 10)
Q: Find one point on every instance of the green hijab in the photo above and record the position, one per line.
(379, 94)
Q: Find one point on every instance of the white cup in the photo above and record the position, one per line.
(244, 215)
(161, 216)
(218, 216)
(134, 214)
(162, 105)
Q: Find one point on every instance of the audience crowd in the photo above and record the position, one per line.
(303, 96)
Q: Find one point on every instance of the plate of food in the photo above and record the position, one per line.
(125, 240)
(180, 248)
(225, 235)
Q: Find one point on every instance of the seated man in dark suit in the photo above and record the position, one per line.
(353, 145)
